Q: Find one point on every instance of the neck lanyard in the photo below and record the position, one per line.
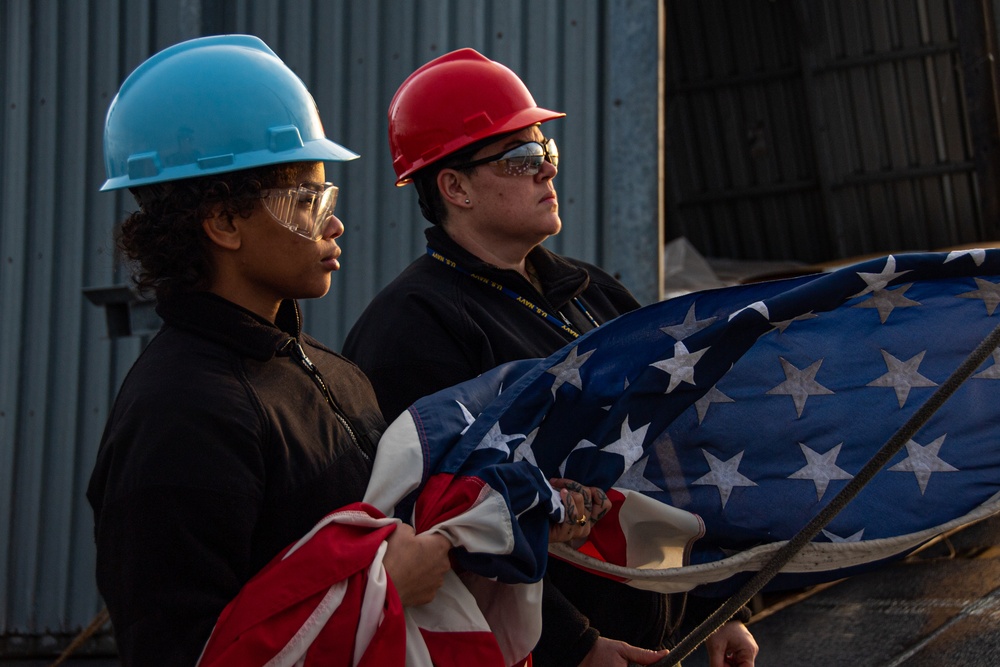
(506, 291)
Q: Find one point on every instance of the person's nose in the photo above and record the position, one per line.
(334, 227)
(547, 170)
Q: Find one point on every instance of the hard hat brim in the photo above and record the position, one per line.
(318, 150)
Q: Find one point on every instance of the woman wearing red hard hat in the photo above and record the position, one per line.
(466, 131)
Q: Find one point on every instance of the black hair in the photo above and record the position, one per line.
(425, 181)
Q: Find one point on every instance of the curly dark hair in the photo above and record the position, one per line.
(164, 241)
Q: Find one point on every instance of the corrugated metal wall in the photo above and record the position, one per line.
(820, 129)
(63, 61)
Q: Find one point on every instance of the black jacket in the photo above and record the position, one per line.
(435, 326)
(222, 448)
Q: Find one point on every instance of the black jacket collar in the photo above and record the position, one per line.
(561, 280)
(222, 321)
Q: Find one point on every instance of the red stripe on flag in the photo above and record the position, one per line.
(444, 497)
(607, 541)
(273, 606)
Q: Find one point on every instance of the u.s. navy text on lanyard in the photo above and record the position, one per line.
(506, 291)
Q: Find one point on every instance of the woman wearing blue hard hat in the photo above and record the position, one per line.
(234, 432)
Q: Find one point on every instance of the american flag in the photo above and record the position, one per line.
(723, 421)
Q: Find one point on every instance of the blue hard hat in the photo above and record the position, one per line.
(207, 106)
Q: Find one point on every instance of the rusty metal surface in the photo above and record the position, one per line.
(940, 607)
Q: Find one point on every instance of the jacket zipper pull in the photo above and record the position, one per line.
(300, 354)
(293, 345)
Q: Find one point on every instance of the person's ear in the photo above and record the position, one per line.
(453, 186)
(222, 232)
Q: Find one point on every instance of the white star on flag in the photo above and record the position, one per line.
(629, 445)
(922, 460)
(496, 439)
(469, 418)
(680, 367)
(784, 324)
(713, 395)
(634, 477)
(993, 372)
(886, 300)
(978, 255)
(689, 326)
(902, 376)
(988, 291)
(568, 370)
(724, 475)
(524, 451)
(856, 537)
(758, 307)
(800, 384)
(820, 468)
(879, 281)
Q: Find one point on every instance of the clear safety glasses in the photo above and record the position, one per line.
(304, 210)
(523, 160)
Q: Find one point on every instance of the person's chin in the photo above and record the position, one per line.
(318, 289)
(555, 225)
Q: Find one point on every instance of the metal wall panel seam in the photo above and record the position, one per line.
(634, 116)
(14, 270)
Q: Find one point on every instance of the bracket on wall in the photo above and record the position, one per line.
(127, 313)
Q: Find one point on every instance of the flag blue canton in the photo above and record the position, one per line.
(752, 406)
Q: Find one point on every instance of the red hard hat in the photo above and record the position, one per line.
(452, 102)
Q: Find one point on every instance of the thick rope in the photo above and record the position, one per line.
(783, 555)
(95, 624)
